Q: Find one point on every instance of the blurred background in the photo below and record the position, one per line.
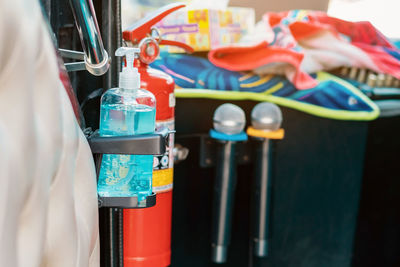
(382, 14)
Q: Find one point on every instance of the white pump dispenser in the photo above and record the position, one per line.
(129, 77)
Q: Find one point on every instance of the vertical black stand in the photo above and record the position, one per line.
(111, 32)
(110, 239)
(112, 38)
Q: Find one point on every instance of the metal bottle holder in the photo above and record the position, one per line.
(94, 57)
(146, 144)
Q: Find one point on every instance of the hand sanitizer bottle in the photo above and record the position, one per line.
(127, 110)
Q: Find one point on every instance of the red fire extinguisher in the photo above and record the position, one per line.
(147, 232)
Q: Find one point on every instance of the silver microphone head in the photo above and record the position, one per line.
(229, 119)
(266, 116)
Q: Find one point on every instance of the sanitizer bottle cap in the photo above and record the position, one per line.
(129, 77)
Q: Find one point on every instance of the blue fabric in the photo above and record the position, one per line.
(394, 53)
(195, 72)
(397, 43)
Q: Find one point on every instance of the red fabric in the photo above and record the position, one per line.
(301, 30)
(359, 32)
(291, 30)
(385, 62)
(275, 18)
(247, 58)
(238, 58)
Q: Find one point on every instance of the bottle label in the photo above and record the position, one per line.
(164, 164)
(172, 100)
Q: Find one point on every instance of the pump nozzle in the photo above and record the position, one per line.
(129, 77)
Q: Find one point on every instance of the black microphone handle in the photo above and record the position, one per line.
(224, 193)
(262, 198)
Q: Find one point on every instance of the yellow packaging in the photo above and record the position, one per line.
(205, 29)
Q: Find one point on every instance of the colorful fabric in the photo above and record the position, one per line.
(397, 43)
(331, 98)
(299, 42)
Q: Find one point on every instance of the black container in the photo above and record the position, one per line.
(316, 182)
(377, 240)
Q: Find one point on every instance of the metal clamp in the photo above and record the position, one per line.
(96, 59)
(208, 152)
(97, 69)
(146, 144)
(127, 202)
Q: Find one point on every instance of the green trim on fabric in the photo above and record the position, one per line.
(305, 107)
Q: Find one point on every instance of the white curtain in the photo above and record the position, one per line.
(48, 202)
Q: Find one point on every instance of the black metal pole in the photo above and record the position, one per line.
(262, 198)
(224, 192)
(111, 31)
(112, 37)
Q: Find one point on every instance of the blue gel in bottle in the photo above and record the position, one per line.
(127, 110)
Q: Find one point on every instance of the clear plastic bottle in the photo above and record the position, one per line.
(127, 110)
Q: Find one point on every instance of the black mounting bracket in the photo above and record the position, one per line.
(127, 202)
(146, 144)
(208, 152)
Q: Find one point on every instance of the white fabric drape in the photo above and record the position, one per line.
(48, 201)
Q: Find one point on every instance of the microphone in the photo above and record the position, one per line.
(229, 121)
(266, 116)
(266, 120)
